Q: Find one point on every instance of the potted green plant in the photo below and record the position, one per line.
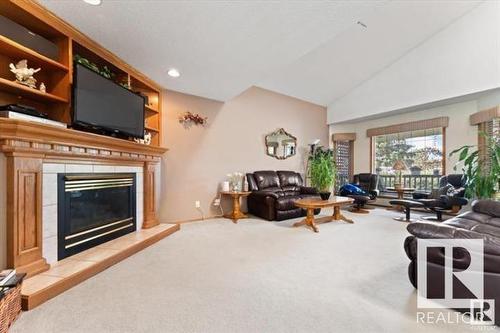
(322, 171)
(483, 182)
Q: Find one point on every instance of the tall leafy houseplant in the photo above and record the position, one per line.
(482, 182)
(322, 170)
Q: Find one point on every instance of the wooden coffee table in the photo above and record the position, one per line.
(312, 204)
(236, 214)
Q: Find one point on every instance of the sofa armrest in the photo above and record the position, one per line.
(308, 190)
(262, 195)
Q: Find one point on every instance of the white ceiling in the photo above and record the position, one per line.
(312, 50)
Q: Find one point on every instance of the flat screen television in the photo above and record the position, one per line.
(103, 105)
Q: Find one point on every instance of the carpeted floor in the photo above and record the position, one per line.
(255, 276)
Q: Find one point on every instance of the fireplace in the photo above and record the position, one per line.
(93, 209)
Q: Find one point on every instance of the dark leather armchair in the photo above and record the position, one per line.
(367, 182)
(274, 192)
(480, 223)
(449, 196)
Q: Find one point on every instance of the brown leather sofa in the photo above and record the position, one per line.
(274, 192)
(482, 222)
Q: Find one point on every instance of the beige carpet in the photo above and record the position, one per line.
(256, 276)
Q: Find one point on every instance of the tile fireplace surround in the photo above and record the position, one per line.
(49, 198)
(31, 156)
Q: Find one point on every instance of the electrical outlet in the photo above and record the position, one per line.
(197, 204)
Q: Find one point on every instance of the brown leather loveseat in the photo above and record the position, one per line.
(274, 192)
(483, 222)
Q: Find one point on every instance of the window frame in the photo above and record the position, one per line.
(443, 148)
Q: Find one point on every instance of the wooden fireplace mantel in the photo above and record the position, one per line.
(49, 141)
(27, 146)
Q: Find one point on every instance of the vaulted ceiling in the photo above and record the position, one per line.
(312, 50)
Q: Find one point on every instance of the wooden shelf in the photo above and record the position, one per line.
(149, 108)
(19, 52)
(152, 129)
(27, 92)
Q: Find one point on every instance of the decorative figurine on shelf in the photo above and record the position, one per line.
(146, 140)
(188, 119)
(42, 87)
(24, 75)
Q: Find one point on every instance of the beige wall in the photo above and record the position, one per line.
(458, 133)
(199, 157)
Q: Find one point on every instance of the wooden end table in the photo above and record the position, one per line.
(311, 204)
(236, 214)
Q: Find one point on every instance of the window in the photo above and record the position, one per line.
(343, 159)
(492, 130)
(421, 151)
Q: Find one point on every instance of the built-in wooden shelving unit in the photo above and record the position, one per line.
(23, 91)
(17, 51)
(57, 74)
(151, 109)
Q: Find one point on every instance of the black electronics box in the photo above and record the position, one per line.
(27, 38)
(24, 109)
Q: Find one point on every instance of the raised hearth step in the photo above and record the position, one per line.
(69, 272)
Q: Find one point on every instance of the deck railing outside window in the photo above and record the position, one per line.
(417, 182)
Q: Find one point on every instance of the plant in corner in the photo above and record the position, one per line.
(322, 171)
(483, 181)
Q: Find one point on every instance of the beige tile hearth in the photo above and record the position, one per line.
(68, 272)
(95, 254)
(67, 267)
(41, 282)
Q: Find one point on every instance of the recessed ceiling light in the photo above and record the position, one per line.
(93, 2)
(173, 72)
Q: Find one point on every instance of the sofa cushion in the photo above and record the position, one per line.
(290, 178)
(267, 180)
(489, 207)
(287, 202)
(290, 182)
(289, 214)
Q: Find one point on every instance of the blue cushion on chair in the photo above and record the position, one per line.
(351, 189)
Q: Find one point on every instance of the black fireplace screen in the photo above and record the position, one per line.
(93, 209)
